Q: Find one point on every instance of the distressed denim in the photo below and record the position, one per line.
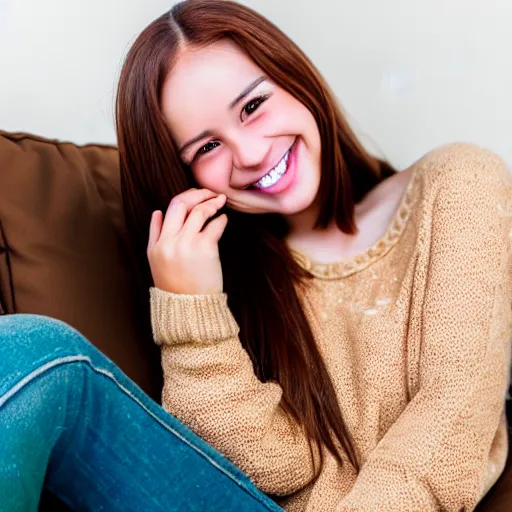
(72, 422)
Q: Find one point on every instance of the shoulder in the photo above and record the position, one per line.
(463, 177)
(463, 167)
(465, 190)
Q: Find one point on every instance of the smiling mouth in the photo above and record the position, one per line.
(274, 175)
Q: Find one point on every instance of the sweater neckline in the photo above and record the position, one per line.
(348, 266)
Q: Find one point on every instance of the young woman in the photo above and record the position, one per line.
(338, 330)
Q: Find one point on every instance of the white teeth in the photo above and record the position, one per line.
(275, 174)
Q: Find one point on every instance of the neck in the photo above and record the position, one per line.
(303, 223)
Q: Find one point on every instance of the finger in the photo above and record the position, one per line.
(155, 226)
(174, 218)
(193, 197)
(216, 228)
(201, 213)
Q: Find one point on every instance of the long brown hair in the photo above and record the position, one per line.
(261, 276)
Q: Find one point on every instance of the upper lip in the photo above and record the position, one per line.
(266, 172)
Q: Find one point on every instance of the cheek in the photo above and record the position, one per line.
(313, 134)
(213, 173)
(309, 122)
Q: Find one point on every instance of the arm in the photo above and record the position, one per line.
(210, 385)
(436, 454)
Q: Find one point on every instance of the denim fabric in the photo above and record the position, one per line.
(71, 421)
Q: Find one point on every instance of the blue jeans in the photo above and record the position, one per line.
(72, 422)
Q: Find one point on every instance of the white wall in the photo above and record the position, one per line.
(411, 74)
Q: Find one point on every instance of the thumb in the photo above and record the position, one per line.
(155, 227)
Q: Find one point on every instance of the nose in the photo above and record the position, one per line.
(250, 153)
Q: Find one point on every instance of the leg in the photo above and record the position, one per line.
(72, 421)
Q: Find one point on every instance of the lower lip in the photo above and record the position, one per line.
(287, 178)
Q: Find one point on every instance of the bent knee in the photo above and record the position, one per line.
(28, 339)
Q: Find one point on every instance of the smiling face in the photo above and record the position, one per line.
(241, 134)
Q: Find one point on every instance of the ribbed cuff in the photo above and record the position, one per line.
(180, 318)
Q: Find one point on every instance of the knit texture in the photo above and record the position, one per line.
(415, 333)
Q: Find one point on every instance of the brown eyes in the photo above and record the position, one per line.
(249, 108)
(206, 148)
(253, 105)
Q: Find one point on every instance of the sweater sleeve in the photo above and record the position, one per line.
(210, 385)
(436, 456)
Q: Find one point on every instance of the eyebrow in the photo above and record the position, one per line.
(247, 91)
(234, 103)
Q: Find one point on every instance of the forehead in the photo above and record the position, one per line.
(202, 84)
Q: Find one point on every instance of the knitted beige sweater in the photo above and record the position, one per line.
(415, 333)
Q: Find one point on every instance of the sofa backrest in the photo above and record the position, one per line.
(64, 251)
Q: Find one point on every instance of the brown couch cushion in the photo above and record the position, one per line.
(63, 249)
